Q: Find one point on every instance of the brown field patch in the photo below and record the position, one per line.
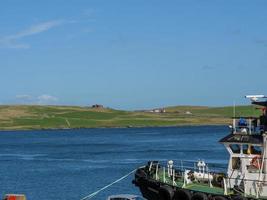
(11, 112)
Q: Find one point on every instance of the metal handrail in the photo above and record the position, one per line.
(249, 126)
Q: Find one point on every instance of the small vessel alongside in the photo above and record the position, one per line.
(14, 197)
(245, 178)
(125, 197)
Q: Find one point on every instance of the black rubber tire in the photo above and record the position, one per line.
(199, 196)
(219, 198)
(140, 173)
(182, 194)
(166, 193)
(239, 198)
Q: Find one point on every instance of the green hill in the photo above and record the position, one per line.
(56, 117)
(217, 111)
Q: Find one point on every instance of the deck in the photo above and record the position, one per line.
(194, 186)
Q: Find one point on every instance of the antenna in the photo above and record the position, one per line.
(234, 111)
(234, 120)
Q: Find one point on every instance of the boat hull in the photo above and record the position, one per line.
(148, 187)
(156, 190)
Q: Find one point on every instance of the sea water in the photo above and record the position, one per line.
(70, 164)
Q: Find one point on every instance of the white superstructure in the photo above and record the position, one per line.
(247, 146)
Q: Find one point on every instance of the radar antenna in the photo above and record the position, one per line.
(254, 98)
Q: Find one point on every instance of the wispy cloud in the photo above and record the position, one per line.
(208, 67)
(11, 41)
(46, 99)
(43, 99)
(24, 96)
(262, 42)
(24, 99)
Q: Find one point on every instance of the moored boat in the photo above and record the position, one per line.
(14, 197)
(124, 197)
(244, 178)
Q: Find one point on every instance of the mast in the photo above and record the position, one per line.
(234, 119)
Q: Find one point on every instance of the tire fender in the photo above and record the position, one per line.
(199, 196)
(182, 194)
(239, 198)
(165, 192)
(219, 198)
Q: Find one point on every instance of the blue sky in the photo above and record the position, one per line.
(132, 54)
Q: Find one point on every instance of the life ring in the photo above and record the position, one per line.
(199, 196)
(165, 193)
(219, 198)
(182, 194)
(256, 162)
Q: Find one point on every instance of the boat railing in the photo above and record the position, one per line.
(177, 171)
(247, 125)
(189, 165)
(178, 177)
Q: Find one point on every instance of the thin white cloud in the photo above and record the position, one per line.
(24, 97)
(43, 99)
(46, 99)
(11, 41)
(39, 28)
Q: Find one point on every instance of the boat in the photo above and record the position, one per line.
(14, 197)
(244, 178)
(125, 197)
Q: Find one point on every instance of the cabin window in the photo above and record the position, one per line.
(235, 148)
(236, 163)
(255, 150)
(245, 149)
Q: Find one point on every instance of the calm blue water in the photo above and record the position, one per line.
(69, 164)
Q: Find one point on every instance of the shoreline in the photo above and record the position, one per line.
(19, 118)
(122, 127)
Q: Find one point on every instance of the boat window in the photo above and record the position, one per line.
(236, 163)
(235, 148)
(256, 150)
(245, 149)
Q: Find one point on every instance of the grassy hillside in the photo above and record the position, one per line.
(217, 111)
(50, 117)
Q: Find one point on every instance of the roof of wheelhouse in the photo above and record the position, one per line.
(247, 138)
(260, 103)
(242, 138)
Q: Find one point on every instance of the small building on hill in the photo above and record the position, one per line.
(158, 110)
(97, 106)
(188, 113)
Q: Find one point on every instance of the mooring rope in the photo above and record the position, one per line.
(107, 186)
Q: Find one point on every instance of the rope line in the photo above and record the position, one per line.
(107, 186)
